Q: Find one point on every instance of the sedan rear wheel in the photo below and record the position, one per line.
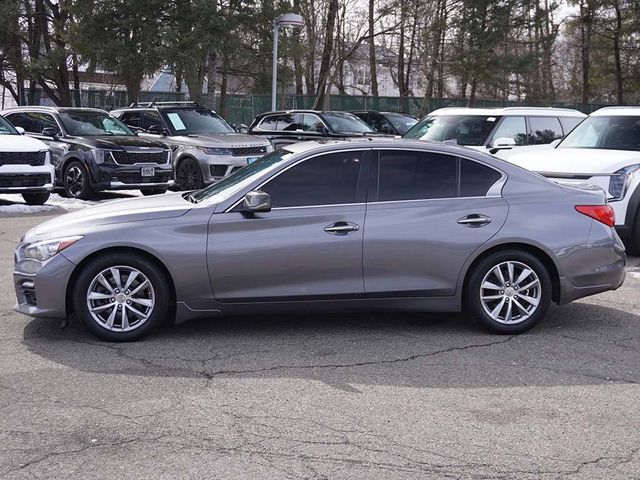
(121, 297)
(509, 292)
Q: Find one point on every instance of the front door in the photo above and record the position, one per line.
(430, 213)
(309, 246)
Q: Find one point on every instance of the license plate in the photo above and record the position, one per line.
(251, 159)
(147, 171)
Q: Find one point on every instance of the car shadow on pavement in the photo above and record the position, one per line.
(576, 344)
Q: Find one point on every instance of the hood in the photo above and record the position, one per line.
(226, 140)
(21, 143)
(576, 160)
(118, 142)
(119, 211)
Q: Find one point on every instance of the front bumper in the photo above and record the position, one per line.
(43, 294)
(216, 167)
(23, 179)
(118, 177)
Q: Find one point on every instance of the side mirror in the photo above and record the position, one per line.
(256, 201)
(157, 130)
(242, 128)
(20, 130)
(504, 142)
(51, 132)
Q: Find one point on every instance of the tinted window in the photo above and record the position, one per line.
(269, 123)
(476, 179)
(464, 129)
(25, 121)
(569, 123)
(406, 175)
(544, 130)
(343, 122)
(325, 180)
(290, 122)
(401, 123)
(610, 132)
(512, 127)
(132, 119)
(151, 119)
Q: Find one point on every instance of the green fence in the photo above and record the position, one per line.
(242, 108)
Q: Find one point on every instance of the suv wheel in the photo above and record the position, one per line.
(509, 292)
(121, 297)
(188, 175)
(152, 191)
(36, 198)
(76, 181)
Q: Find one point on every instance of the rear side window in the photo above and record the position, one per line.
(544, 130)
(569, 123)
(269, 123)
(407, 175)
(324, 180)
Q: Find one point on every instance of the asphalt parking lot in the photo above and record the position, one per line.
(375, 396)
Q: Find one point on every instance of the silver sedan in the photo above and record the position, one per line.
(394, 225)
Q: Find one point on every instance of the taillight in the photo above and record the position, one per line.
(601, 213)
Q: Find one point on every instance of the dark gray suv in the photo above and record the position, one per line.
(92, 150)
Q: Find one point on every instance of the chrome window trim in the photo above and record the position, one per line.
(258, 187)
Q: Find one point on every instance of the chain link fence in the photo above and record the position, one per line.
(242, 108)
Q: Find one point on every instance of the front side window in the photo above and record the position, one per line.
(151, 119)
(132, 119)
(269, 123)
(90, 123)
(401, 123)
(469, 130)
(512, 127)
(412, 175)
(610, 133)
(312, 123)
(324, 180)
(6, 128)
(544, 130)
(195, 121)
(33, 122)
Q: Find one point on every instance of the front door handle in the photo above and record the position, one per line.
(341, 228)
(475, 220)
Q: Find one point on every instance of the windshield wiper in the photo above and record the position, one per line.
(189, 197)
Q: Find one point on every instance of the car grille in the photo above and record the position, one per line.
(24, 180)
(136, 178)
(129, 158)
(245, 151)
(34, 159)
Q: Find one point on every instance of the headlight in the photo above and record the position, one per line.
(215, 151)
(620, 181)
(48, 248)
(98, 155)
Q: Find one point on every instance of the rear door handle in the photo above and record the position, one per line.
(341, 228)
(474, 220)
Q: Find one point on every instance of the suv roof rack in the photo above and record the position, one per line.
(160, 104)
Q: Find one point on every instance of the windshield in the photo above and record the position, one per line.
(469, 130)
(346, 123)
(194, 121)
(610, 133)
(89, 123)
(402, 123)
(235, 179)
(6, 128)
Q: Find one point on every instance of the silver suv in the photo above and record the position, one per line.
(206, 148)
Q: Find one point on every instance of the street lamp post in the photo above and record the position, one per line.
(285, 20)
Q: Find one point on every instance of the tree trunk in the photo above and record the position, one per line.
(586, 16)
(616, 54)
(327, 51)
(373, 67)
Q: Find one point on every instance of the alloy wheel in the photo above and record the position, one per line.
(510, 292)
(120, 298)
(74, 181)
(188, 176)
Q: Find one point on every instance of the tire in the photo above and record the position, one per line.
(145, 307)
(188, 175)
(488, 310)
(76, 181)
(36, 198)
(632, 243)
(152, 191)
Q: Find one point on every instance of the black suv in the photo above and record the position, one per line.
(291, 126)
(391, 123)
(92, 150)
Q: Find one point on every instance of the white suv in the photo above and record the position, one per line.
(500, 131)
(25, 166)
(604, 150)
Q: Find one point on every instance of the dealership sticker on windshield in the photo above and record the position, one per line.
(251, 159)
(176, 121)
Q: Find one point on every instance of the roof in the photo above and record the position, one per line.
(41, 108)
(619, 111)
(282, 112)
(531, 111)
(355, 112)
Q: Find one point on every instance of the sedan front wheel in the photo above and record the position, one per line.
(121, 297)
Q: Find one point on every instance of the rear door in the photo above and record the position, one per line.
(308, 247)
(426, 214)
